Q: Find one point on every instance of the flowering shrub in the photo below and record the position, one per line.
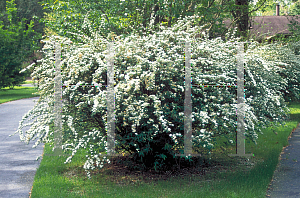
(149, 93)
(286, 58)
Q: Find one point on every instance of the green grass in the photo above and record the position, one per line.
(56, 179)
(17, 93)
(30, 82)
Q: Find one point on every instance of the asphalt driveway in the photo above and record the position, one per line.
(18, 163)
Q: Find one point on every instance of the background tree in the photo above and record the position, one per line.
(125, 17)
(18, 41)
(31, 10)
(295, 8)
(241, 16)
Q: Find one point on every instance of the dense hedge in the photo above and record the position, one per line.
(149, 93)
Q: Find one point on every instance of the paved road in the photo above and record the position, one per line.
(28, 85)
(17, 159)
(286, 178)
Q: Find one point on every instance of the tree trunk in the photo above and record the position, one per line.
(170, 15)
(241, 16)
(145, 15)
(156, 21)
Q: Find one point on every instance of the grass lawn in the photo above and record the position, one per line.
(17, 93)
(30, 81)
(222, 176)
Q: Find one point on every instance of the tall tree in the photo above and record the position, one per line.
(241, 12)
(241, 16)
(16, 43)
(29, 10)
(124, 17)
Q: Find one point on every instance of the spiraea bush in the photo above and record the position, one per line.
(149, 93)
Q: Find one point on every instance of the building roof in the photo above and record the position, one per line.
(268, 26)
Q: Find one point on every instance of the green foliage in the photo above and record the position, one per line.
(295, 9)
(30, 11)
(17, 41)
(127, 17)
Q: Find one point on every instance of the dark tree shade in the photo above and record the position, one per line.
(17, 41)
(242, 15)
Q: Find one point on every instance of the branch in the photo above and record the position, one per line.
(209, 5)
(105, 14)
(100, 9)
